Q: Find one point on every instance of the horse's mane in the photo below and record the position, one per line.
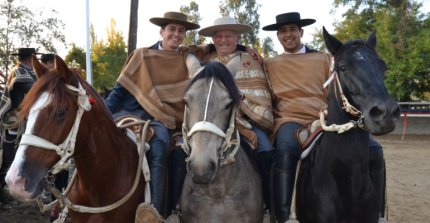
(220, 72)
(51, 82)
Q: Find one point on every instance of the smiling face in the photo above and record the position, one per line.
(173, 35)
(225, 42)
(290, 37)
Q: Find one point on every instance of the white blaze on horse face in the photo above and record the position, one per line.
(15, 182)
(359, 56)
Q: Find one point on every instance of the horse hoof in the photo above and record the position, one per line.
(145, 213)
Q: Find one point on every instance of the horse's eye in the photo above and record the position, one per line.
(343, 68)
(60, 115)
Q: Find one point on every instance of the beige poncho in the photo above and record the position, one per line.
(297, 83)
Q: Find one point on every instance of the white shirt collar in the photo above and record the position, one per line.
(301, 50)
(160, 47)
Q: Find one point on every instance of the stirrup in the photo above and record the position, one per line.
(146, 213)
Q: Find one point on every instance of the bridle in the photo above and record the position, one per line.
(231, 137)
(350, 109)
(66, 150)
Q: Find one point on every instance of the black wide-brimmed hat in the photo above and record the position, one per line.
(47, 57)
(25, 52)
(288, 18)
(174, 17)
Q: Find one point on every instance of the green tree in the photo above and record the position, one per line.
(268, 48)
(403, 41)
(76, 58)
(192, 37)
(20, 27)
(108, 58)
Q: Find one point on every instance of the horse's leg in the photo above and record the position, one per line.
(377, 170)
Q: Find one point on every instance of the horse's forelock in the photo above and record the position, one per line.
(219, 71)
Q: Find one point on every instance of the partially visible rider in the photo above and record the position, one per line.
(18, 83)
(151, 86)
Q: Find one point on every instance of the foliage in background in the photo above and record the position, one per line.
(20, 27)
(192, 37)
(403, 41)
(108, 57)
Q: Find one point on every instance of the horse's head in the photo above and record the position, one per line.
(361, 76)
(211, 101)
(49, 109)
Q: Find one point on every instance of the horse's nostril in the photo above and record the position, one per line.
(377, 111)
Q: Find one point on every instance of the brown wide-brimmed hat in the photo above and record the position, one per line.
(176, 18)
(225, 23)
(25, 52)
(288, 18)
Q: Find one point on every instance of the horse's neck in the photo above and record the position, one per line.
(351, 139)
(336, 115)
(106, 156)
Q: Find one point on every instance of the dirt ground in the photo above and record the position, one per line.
(408, 183)
(408, 177)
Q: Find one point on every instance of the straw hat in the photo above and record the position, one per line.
(288, 18)
(174, 17)
(225, 23)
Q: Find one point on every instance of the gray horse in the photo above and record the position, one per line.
(222, 184)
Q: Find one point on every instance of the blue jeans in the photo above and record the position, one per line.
(263, 141)
(286, 142)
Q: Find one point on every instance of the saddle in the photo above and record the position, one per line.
(135, 124)
(308, 133)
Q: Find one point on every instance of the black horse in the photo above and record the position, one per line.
(334, 184)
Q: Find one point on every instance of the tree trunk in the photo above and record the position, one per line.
(132, 31)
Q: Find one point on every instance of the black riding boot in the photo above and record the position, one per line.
(177, 172)
(283, 177)
(377, 175)
(157, 167)
(264, 162)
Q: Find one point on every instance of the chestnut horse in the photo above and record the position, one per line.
(222, 184)
(66, 117)
(334, 184)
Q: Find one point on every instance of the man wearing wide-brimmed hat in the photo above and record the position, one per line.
(18, 84)
(256, 107)
(296, 78)
(151, 86)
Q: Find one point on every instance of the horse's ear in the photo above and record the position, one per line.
(63, 71)
(38, 68)
(371, 41)
(331, 42)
